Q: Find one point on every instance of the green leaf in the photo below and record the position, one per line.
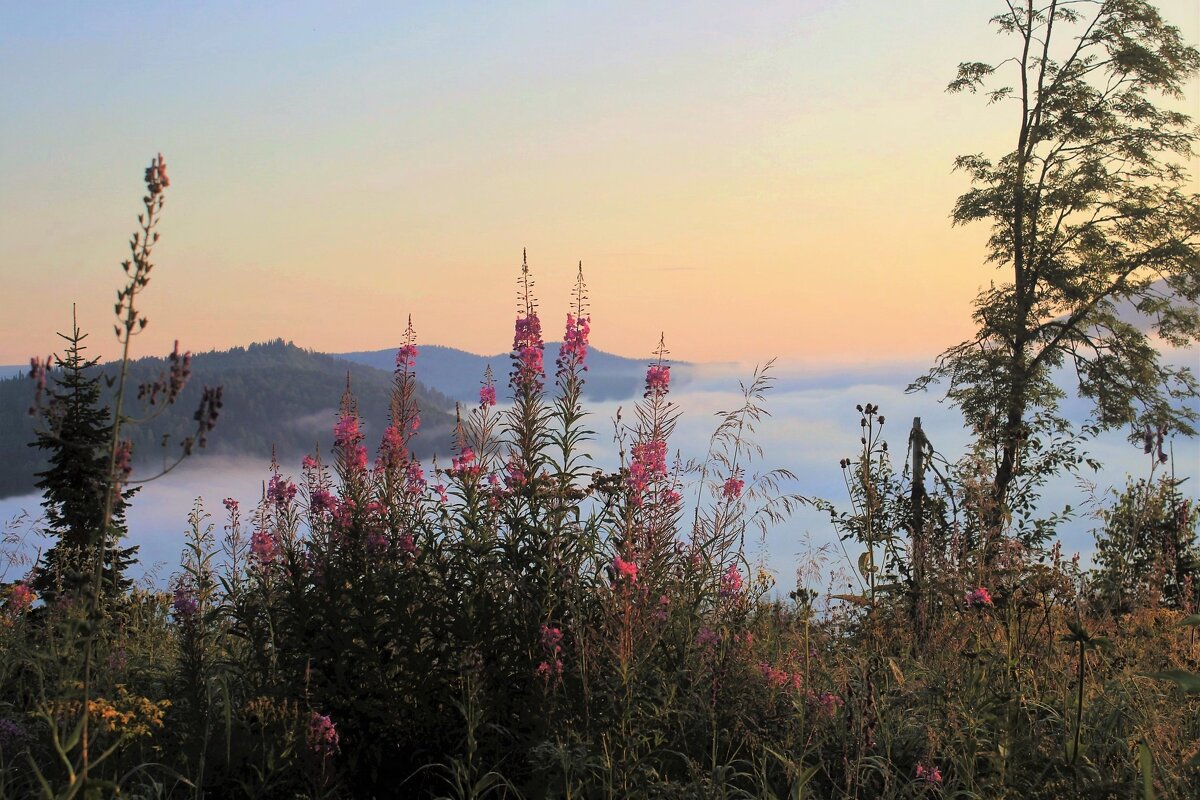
(1146, 767)
(1188, 681)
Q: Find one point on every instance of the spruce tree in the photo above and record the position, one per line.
(77, 435)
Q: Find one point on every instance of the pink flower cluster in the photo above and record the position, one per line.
(465, 465)
(625, 569)
(515, 476)
(263, 547)
(731, 582)
(528, 368)
(658, 380)
(732, 489)
(406, 545)
(280, 491)
(415, 479)
(649, 464)
(343, 513)
(780, 678)
(978, 597)
(574, 348)
(487, 395)
(321, 501)
(706, 638)
(392, 452)
(406, 357)
(551, 666)
(20, 597)
(323, 739)
(347, 439)
(826, 703)
(929, 774)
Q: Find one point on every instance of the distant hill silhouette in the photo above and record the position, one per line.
(276, 395)
(459, 374)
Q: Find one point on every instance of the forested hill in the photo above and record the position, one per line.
(459, 373)
(275, 395)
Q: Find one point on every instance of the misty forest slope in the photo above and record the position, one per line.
(276, 395)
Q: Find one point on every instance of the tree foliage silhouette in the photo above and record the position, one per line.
(1092, 228)
(77, 436)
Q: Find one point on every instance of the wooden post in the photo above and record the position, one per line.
(917, 440)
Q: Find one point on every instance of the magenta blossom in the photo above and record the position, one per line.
(551, 637)
(406, 544)
(625, 569)
(415, 479)
(392, 451)
(263, 547)
(20, 597)
(979, 597)
(465, 465)
(321, 501)
(574, 348)
(323, 739)
(658, 380)
(731, 582)
(487, 395)
(528, 370)
(280, 491)
(732, 489)
(929, 774)
(406, 357)
(347, 438)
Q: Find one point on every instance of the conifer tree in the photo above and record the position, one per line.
(77, 436)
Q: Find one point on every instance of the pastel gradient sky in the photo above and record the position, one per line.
(755, 179)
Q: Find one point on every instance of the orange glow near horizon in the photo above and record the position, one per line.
(752, 183)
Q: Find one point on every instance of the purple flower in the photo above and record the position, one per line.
(12, 734)
(184, 604)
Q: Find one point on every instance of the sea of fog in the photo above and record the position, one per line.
(812, 425)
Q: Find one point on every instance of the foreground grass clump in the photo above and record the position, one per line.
(522, 623)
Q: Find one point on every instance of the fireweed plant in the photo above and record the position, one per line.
(520, 622)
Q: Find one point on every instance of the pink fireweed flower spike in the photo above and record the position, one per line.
(658, 380)
(573, 353)
(527, 354)
(625, 569)
(487, 395)
(731, 582)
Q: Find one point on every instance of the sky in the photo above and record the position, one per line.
(751, 180)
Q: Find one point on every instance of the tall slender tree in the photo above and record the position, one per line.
(77, 434)
(1092, 227)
